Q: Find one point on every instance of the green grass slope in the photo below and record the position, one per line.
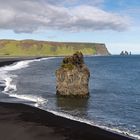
(45, 48)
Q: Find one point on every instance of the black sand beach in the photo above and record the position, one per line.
(10, 60)
(19, 121)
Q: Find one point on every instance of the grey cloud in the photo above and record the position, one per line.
(74, 2)
(31, 15)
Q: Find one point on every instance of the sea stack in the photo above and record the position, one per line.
(72, 77)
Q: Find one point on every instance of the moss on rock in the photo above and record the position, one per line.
(72, 61)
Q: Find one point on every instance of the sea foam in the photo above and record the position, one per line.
(10, 88)
(35, 99)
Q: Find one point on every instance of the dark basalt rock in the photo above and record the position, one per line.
(73, 77)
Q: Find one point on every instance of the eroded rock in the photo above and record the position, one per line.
(73, 77)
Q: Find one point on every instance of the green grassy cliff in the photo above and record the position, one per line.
(46, 48)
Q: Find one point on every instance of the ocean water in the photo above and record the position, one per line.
(114, 102)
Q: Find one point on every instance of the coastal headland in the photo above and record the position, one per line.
(23, 48)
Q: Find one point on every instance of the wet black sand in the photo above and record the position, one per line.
(9, 60)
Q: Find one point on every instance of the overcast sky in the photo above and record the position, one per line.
(114, 22)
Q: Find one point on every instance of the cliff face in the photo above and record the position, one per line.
(101, 49)
(45, 48)
(72, 77)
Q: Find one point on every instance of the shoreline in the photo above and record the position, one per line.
(26, 122)
(51, 127)
(10, 60)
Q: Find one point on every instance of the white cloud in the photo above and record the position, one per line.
(31, 15)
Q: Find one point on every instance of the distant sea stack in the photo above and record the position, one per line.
(72, 77)
(48, 48)
(125, 53)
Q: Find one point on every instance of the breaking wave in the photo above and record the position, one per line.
(10, 88)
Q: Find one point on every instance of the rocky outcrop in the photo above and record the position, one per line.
(101, 49)
(72, 77)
